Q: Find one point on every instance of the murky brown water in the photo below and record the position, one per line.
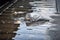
(15, 26)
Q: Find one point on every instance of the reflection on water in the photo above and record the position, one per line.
(35, 25)
(37, 30)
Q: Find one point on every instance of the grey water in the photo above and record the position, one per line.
(41, 31)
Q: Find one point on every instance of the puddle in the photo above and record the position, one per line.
(36, 31)
(39, 21)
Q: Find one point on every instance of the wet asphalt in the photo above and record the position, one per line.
(41, 30)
